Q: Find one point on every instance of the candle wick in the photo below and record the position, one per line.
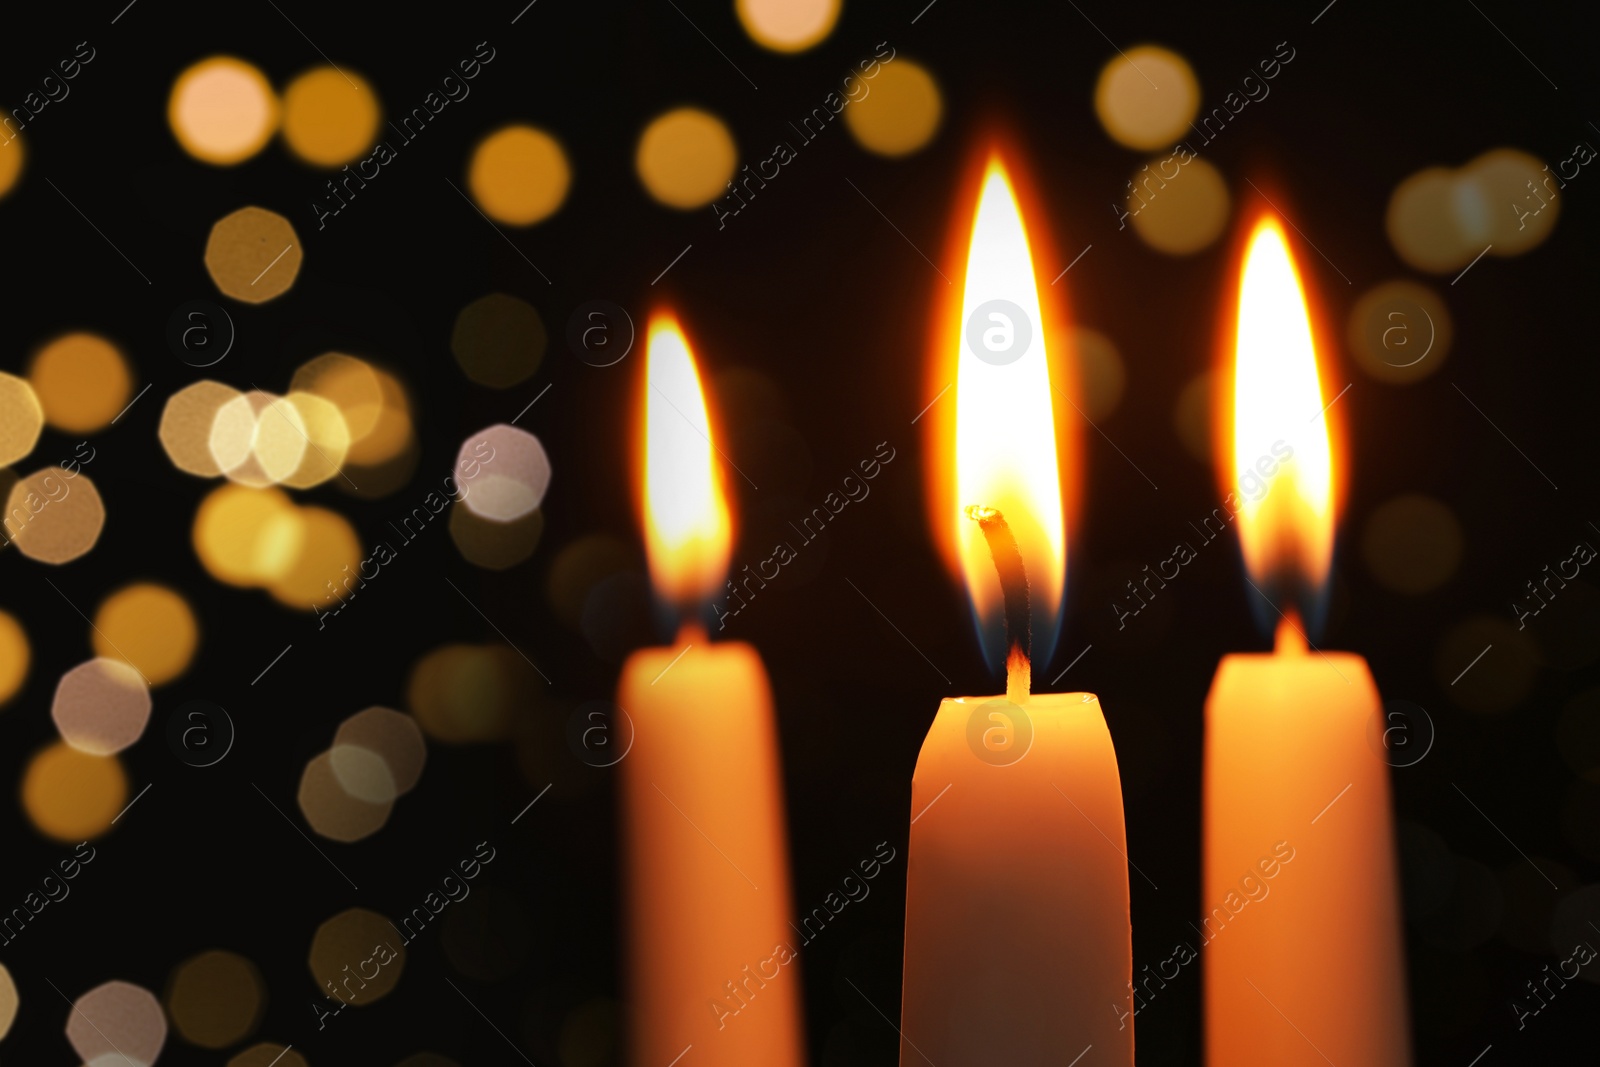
(1290, 639)
(1014, 584)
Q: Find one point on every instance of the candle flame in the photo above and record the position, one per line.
(1282, 469)
(1004, 440)
(687, 525)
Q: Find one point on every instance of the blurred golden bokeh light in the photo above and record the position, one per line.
(382, 449)
(1146, 97)
(246, 537)
(222, 110)
(9, 1001)
(10, 524)
(330, 116)
(328, 559)
(216, 999)
(498, 340)
(1506, 198)
(495, 546)
(504, 471)
(187, 422)
(70, 795)
(1180, 215)
(346, 942)
(1422, 224)
(239, 429)
(1400, 331)
(280, 441)
(1192, 415)
(902, 112)
(519, 175)
(1502, 679)
(362, 774)
(118, 1021)
(327, 440)
(82, 381)
(21, 418)
(685, 158)
(260, 438)
(350, 384)
(464, 693)
(268, 1054)
(102, 706)
(52, 518)
(394, 736)
(580, 566)
(253, 255)
(387, 475)
(12, 158)
(787, 25)
(15, 655)
(1412, 544)
(1101, 375)
(331, 811)
(149, 626)
(1503, 203)
(392, 434)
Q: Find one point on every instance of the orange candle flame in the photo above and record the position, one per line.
(1280, 468)
(687, 525)
(999, 436)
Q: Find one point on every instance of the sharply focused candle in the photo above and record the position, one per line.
(1311, 973)
(712, 974)
(1017, 930)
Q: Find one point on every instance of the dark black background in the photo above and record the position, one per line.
(812, 288)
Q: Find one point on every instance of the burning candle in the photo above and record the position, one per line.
(1304, 969)
(710, 962)
(1017, 929)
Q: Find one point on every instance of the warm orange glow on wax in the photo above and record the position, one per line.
(1017, 935)
(1286, 518)
(1004, 441)
(686, 520)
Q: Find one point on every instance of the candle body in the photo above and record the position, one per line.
(710, 952)
(1018, 942)
(1302, 958)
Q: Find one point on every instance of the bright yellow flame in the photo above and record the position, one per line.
(1005, 425)
(1286, 517)
(687, 529)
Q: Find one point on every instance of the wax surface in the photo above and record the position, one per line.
(1018, 942)
(1302, 967)
(707, 868)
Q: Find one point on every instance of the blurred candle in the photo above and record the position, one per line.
(711, 964)
(1303, 953)
(1017, 931)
